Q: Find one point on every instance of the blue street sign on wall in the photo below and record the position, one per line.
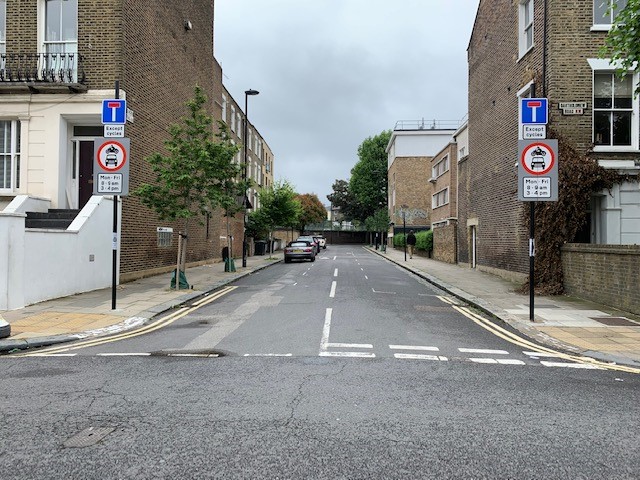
(534, 111)
(114, 112)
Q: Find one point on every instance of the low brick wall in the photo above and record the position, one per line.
(606, 274)
(444, 243)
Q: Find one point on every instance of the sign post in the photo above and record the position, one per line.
(111, 168)
(537, 181)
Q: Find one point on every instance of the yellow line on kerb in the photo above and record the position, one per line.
(156, 325)
(522, 342)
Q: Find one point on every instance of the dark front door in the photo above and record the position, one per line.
(85, 183)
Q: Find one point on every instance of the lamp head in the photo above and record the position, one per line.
(251, 92)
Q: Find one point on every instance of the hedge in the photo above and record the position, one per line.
(424, 240)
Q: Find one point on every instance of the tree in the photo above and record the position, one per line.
(368, 183)
(622, 43)
(313, 210)
(343, 200)
(197, 175)
(378, 222)
(279, 208)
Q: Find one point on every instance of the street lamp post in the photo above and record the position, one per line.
(404, 229)
(245, 174)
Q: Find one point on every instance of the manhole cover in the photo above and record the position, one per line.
(89, 436)
(616, 321)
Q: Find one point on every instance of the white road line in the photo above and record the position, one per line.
(335, 257)
(482, 350)
(541, 354)
(349, 345)
(414, 347)
(377, 291)
(205, 355)
(326, 329)
(570, 365)
(417, 356)
(123, 354)
(333, 289)
(335, 272)
(304, 273)
(348, 354)
(501, 361)
(366, 278)
(362, 269)
(268, 354)
(295, 284)
(484, 360)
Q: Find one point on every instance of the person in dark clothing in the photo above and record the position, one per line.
(411, 243)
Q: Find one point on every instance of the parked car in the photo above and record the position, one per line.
(299, 250)
(309, 238)
(322, 242)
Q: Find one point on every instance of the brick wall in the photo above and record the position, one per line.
(444, 243)
(606, 274)
(488, 181)
(161, 64)
(412, 189)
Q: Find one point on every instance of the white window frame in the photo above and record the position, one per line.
(14, 151)
(602, 27)
(435, 198)
(233, 118)
(441, 167)
(224, 108)
(239, 132)
(599, 65)
(525, 7)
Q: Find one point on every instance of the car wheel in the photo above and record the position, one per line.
(313, 259)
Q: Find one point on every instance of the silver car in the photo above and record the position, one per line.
(302, 250)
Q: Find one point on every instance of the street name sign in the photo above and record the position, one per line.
(111, 166)
(538, 170)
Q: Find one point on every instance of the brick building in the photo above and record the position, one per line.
(411, 149)
(547, 49)
(58, 61)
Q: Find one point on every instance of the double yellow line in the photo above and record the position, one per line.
(153, 326)
(522, 342)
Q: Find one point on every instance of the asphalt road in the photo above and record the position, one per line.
(345, 368)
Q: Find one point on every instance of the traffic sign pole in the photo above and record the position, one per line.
(114, 254)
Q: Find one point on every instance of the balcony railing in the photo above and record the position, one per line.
(41, 68)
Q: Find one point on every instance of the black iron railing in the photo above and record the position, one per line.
(50, 68)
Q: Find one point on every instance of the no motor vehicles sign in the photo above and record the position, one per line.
(111, 166)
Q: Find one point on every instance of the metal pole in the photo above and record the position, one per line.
(404, 232)
(114, 253)
(244, 200)
(532, 256)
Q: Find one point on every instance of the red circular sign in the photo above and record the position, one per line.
(111, 156)
(538, 158)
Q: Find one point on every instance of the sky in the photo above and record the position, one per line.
(332, 73)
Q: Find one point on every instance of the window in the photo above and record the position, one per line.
(603, 15)
(525, 26)
(233, 118)
(441, 167)
(441, 198)
(9, 155)
(61, 36)
(613, 124)
(224, 108)
(3, 26)
(239, 118)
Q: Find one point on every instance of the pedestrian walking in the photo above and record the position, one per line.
(411, 243)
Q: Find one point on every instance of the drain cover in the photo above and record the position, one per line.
(88, 436)
(616, 321)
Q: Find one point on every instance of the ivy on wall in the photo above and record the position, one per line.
(557, 223)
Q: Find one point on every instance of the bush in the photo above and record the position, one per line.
(398, 240)
(424, 240)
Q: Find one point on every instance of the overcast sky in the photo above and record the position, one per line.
(333, 72)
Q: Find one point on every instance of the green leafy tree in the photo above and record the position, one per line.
(197, 174)
(342, 200)
(622, 43)
(368, 183)
(279, 207)
(312, 210)
(378, 222)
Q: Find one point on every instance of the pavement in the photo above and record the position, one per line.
(561, 322)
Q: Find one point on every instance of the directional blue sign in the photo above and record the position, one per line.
(534, 111)
(114, 112)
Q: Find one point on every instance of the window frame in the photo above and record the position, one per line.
(435, 197)
(523, 28)
(3, 27)
(606, 66)
(602, 27)
(15, 156)
(444, 163)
